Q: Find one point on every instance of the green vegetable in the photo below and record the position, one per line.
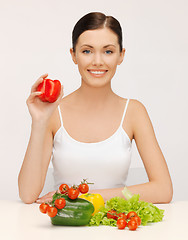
(145, 210)
(76, 212)
(127, 194)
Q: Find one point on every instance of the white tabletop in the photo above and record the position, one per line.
(24, 221)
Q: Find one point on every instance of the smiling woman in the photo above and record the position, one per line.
(97, 60)
(89, 133)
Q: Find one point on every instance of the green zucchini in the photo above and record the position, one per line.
(76, 212)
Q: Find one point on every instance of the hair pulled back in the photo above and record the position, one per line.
(96, 20)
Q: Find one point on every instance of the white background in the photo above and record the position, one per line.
(36, 38)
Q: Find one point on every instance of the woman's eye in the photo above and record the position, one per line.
(108, 52)
(86, 51)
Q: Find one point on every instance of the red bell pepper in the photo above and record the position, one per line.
(50, 90)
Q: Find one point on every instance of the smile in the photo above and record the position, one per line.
(97, 73)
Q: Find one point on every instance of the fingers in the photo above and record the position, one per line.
(46, 198)
(44, 75)
(39, 80)
(43, 200)
(32, 96)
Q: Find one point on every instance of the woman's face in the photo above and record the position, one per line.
(97, 55)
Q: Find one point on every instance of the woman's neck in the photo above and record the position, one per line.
(94, 96)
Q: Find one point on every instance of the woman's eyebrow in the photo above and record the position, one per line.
(109, 45)
(87, 45)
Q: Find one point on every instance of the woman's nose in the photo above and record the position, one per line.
(97, 59)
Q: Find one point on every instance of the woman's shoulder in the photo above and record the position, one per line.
(134, 114)
(137, 105)
(134, 107)
(136, 111)
(134, 104)
(138, 114)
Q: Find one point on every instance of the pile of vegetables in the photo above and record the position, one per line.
(68, 208)
(147, 212)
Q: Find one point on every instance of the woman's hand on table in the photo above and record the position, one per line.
(46, 198)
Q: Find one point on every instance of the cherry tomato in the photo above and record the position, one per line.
(50, 90)
(63, 188)
(52, 211)
(132, 225)
(84, 188)
(60, 203)
(137, 219)
(112, 214)
(73, 193)
(131, 214)
(121, 223)
(43, 207)
(122, 215)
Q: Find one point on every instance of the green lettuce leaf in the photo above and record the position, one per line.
(145, 210)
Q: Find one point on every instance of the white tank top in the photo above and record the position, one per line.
(105, 163)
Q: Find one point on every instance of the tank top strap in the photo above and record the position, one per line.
(60, 115)
(124, 111)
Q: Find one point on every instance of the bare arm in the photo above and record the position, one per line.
(159, 188)
(37, 157)
(34, 168)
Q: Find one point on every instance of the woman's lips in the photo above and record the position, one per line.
(97, 73)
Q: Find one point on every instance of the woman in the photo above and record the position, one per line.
(89, 132)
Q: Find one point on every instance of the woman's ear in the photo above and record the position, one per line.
(122, 55)
(73, 55)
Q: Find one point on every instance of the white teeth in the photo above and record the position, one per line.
(97, 72)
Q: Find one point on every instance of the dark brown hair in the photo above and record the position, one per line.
(96, 20)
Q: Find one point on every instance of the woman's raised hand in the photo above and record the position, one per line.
(39, 110)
